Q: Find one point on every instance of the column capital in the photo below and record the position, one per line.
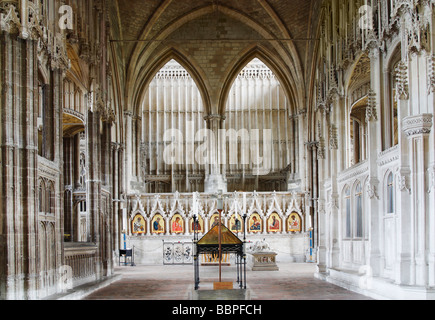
(214, 117)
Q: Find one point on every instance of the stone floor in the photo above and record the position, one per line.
(291, 282)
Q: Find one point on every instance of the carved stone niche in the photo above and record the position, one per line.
(416, 125)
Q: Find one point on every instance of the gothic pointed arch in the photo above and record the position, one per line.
(194, 71)
(271, 61)
(147, 47)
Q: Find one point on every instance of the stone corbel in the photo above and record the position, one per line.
(333, 202)
(402, 181)
(321, 206)
(372, 189)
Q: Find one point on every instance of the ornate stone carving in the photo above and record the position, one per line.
(371, 110)
(431, 74)
(420, 124)
(333, 138)
(333, 201)
(9, 19)
(402, 81)
(372, 189)
(402, 181)
(321, 152)
(417, 26)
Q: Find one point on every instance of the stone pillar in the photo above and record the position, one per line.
(374, 147)
(128, 118)
(18, 235)
(94, 183)
(68, 151)
(214, 179)
(321, 202)
(116, 196)
(417, 129)
(404, 259)
(336, 163)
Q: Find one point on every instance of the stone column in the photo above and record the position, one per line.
(214, 179)
(94, 182)
(128, 118)
(116, 196)
(404, 259)
(68, 151)
(374, 147)
(321, 202)
(417, 129)
(336, 163)
(19, 250)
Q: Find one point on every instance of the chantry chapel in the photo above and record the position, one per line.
(121, 122)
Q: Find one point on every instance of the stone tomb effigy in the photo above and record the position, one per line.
(264, 259)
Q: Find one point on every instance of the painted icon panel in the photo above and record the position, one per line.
(255, 224)
(294, 223)
(214, 220)
(199, 225)
(158, 225)
(138, 225)
(274, 223)
(177, 224)
(236, 224)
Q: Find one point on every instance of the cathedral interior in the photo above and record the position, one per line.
(123, 122)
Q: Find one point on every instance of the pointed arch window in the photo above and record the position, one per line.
(51, 198)
(172, 113)
(359, 210)
(257, 102)
(41, 197)
(347, 200)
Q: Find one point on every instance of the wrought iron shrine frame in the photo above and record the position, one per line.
(237, 249)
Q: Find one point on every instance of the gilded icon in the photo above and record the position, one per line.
(274, 223)
(255, 224)
(294, 223)
(236, 224)
(158, 224)
(177, 224)
(214, 220)
(138, 225)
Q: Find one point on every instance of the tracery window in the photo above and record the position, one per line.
(45, 121)
(348, 232)
(359, 211)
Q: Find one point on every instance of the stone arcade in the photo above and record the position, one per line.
(124, 118)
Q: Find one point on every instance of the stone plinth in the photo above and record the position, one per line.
(264, 261)
(229, 295)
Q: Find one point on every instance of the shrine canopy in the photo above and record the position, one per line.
(210, 241)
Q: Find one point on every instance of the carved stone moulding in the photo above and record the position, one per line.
(416, 125)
